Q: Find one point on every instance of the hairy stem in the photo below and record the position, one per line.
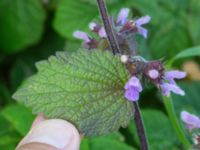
(115, 48)
(140, 127)
(108, 27)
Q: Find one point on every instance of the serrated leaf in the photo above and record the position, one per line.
(21, 23)
(86, 88)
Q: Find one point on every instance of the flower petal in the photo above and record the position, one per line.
(132, 94)
(123, 14)
(102, 32)
(167, 88)
(81, 35)
(135, 82)
(175, 74)
(142, 31)
(191, 120)
(143, 20)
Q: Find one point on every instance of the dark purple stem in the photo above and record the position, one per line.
(108, 27)
(140, 127)
(115, 48)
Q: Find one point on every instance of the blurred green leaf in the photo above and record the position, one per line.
(21, 24)
(159, 130)
(190, 52)
(190, 101)
(193, 25)
(8, 136)
(163, 44)
(73, 15)
(169, 27)
(86, 88)
(20, 117)
(76, 15)
(5, 96)
(24, 65)
(114, 141)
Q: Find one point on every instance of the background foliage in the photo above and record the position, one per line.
(31, 30)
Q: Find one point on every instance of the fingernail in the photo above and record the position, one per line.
(55, 132)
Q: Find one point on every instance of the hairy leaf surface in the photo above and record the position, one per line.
(86, 88)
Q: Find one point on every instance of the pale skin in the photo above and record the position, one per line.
(50, 134)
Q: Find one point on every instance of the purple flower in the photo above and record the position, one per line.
(133, 87)
(170, 84)
(174, 74)
(190, 120)
(167, 88)
(88, 42)
(98, 29)
(141, 21)
(132, 26)
(102, 32)
(82, 35)
(122, 17)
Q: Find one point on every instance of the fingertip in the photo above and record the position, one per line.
(54, 132)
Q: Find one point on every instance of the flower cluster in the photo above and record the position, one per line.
(152, 70)
(123, 28)
(167, 84)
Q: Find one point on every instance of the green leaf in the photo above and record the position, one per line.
(21, 23)
(86, 88)
(20, 117)
(159, 130)
(190, 52)
(169, 25)
(115, 142)
(73, 15)
(9, 138)
(24, 64)
(5, 96)
(165, 34)
(189, 102)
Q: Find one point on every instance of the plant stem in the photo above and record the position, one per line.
(108, 27)
(140, 127)
(173, 119)
(115, 47)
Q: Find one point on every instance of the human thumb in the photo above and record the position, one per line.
(53, 134)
